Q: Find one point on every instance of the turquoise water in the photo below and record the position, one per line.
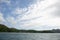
(29, 36)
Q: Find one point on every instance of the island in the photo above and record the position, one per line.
(4, 28)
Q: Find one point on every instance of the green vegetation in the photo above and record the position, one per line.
(4, 28)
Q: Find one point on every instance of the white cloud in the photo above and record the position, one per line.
(11, 20)
(56, 13)
(5, 1)
(1, 18)
(39, 9)
(42, 10)
(20, 11)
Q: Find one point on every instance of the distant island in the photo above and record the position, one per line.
(4, 28)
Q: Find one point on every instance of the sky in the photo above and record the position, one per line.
(30, 14)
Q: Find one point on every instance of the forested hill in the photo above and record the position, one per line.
(4, 28)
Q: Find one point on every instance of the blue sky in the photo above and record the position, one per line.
(30, 14)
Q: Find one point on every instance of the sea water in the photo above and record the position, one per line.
(29, 36)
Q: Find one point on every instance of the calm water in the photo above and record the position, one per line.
(29, 36)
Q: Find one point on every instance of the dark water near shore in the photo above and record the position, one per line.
(29, 36)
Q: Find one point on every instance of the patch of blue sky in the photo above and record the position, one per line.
(7, 9)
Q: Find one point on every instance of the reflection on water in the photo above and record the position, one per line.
(29, 36)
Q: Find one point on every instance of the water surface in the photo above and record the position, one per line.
(29, 36)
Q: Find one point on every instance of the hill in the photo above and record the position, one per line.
(4, 28)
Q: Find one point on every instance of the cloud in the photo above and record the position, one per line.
(37, 14)
(19, 11)
(1, 18)
(39, 8)
(5, 1)
(42, 14)
(11, 20)
(43, 9)
(56, 13)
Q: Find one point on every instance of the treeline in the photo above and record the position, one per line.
(4, 28)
